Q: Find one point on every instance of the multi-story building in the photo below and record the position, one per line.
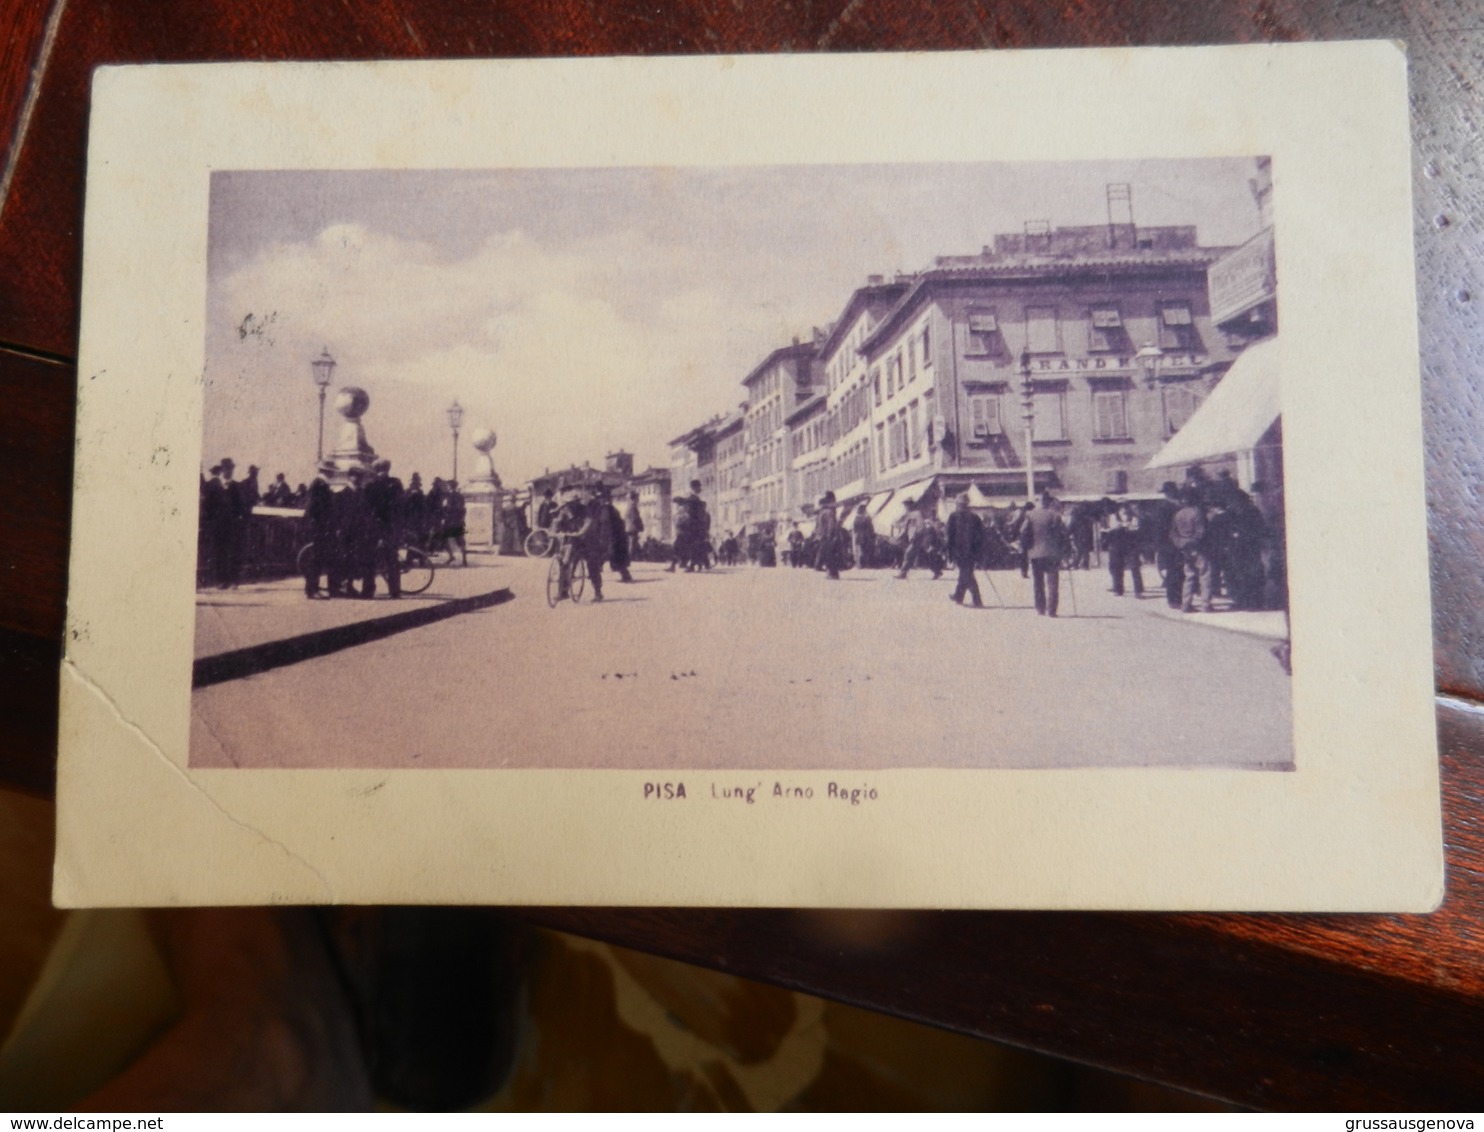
(693, 458)
(779, 384)
(731, 473)
(653, 489)
(1062, 322)
(845, 429)
(808, 456)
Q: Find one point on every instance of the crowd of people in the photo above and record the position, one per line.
(354, 524)
(1205, 538)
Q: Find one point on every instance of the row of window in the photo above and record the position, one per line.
(900, 368)
(1109, 414)
(851, 467)
(830, 427)
(899, 438)
(1044, 330)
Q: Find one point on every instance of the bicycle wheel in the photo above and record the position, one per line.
(554, 582)
(579, 578)
(539, 543)
(415, 570)
(305, 559)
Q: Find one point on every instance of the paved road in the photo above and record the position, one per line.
(776, 669)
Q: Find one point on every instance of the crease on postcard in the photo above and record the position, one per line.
(72, 671)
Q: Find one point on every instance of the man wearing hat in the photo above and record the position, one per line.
(1048, 544)
(965, 542)
(383, 504)
(225, 515)
(319, 513)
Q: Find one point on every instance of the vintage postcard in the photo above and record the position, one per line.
(911, 481)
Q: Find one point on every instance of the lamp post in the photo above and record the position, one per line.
(1149, 358)
(1028, 415)
(322, 367)
(455, 418)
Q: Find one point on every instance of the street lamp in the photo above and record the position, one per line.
(322, 367)
(455, 418)
(1148, 359)
(1028, 414)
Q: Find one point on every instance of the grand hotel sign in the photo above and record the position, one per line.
(1243, 278)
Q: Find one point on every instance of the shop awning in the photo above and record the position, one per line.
(891, 514)
(878, 502)
(1233, 419)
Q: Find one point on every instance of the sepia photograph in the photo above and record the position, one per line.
(595, 482)
(765, 467)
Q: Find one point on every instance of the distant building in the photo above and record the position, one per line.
(809, 453)
(653, 488)
(779, 384)
(731, 474)
(693, 458)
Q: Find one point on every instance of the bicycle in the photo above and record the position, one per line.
(568, 566)
(415, 569)
(540, 543)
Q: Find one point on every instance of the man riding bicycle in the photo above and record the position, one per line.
(573, 524)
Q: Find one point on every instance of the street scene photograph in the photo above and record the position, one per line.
(744, 469)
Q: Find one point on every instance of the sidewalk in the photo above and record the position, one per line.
(1093, 587)
(1087, 592)
(261, 614)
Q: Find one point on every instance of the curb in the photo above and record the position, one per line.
(254, 659)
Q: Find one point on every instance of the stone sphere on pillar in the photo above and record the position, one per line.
(352, 402)
(483, 440)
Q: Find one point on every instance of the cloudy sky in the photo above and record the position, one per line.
(578, 311)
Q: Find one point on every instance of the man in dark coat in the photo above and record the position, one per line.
(357, 537)
(965, 542)
(1047, 537)
(827, 530)
(228, 517)
(319, 513)
(616, 548)
(1188, 533)
(1159, 515)
(1022, 534)
(383, 496)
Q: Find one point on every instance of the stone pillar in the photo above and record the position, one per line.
(352, 449)
(483, 497)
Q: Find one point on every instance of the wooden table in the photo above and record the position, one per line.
(1271, 1011)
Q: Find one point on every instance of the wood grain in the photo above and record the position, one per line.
(1281, 1011)
(22, 33)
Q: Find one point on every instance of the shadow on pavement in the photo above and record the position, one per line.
(255, 659)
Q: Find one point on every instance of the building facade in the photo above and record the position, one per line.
(1099, 337)
(779, 384)
(846, 430)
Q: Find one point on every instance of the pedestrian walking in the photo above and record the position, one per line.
(965, 542)
(863, 535)
(916, 541)
(633, 525)
(1045, 537)
(1188, 533)
(827, 531)
(1121, 530)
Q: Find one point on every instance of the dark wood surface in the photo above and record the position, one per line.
(1280, 1011)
